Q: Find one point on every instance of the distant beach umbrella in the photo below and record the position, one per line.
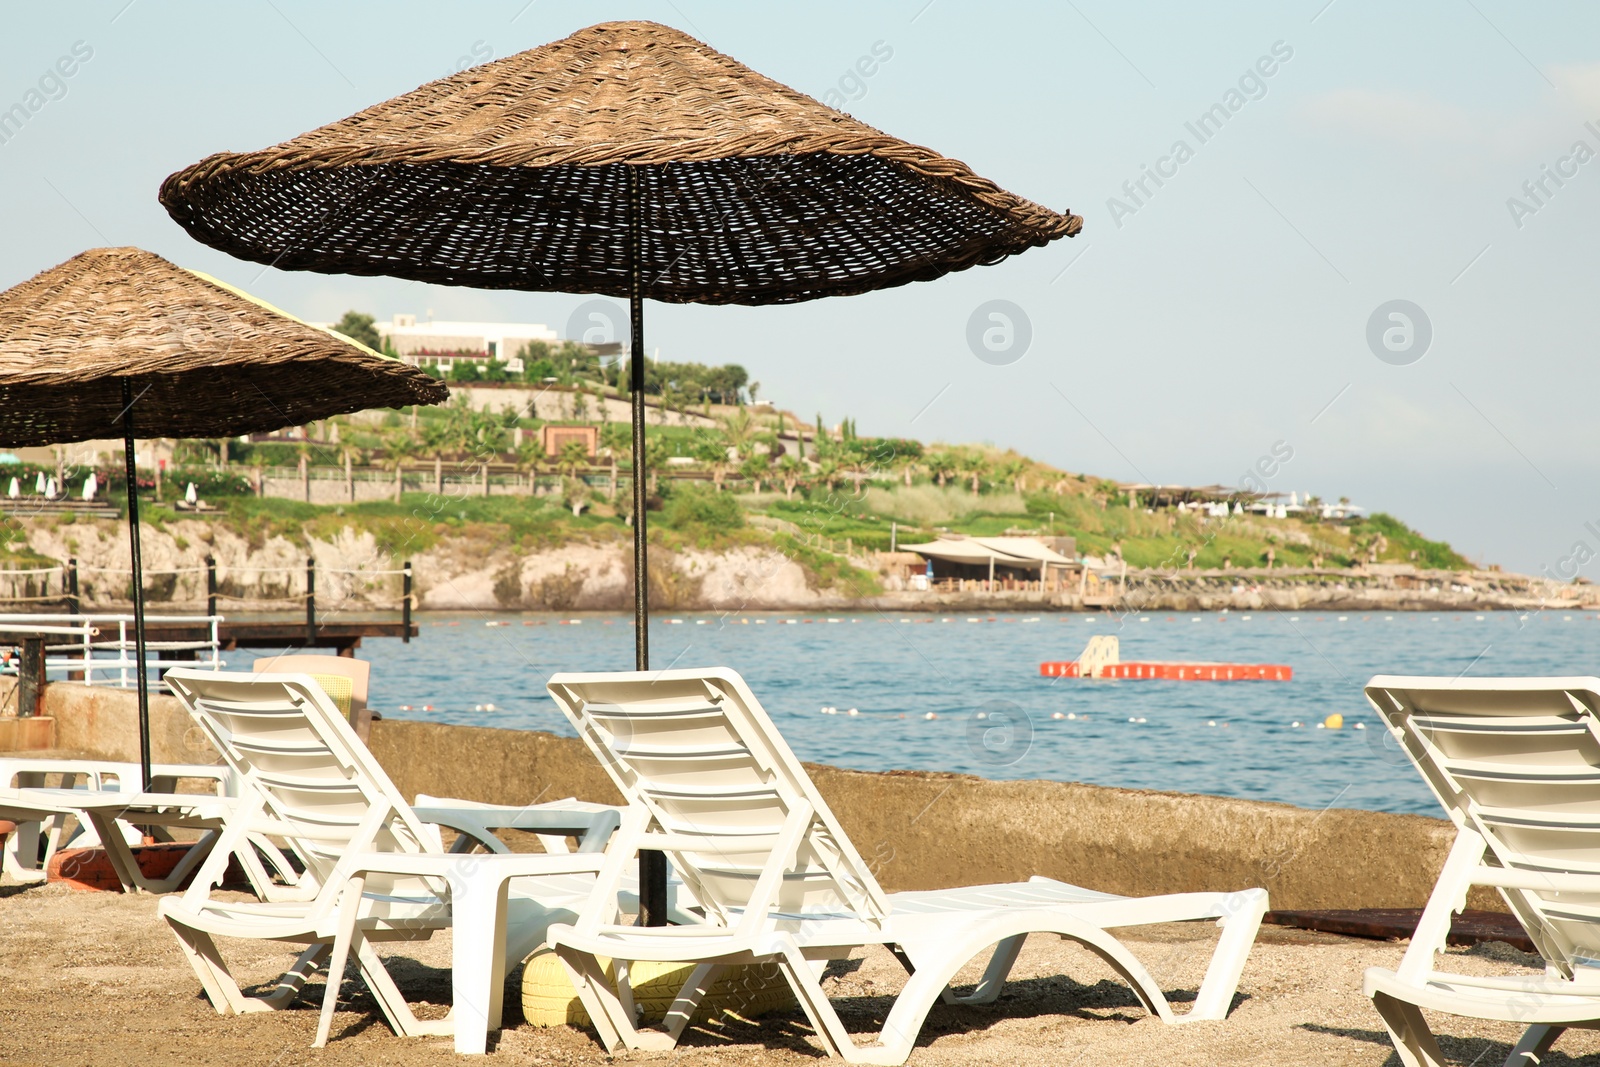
(15, 490)
(38, 484)
(119, 340)
(629, 160)
(91, 484)
(189, 495)
(50, 488)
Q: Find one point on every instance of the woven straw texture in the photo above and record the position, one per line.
(514, 175)
(205, 359)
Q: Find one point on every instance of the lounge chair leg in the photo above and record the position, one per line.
(611, 1021)
(478, 964)
(185, 867)
(294, 979)
(212, 970)
(1413, 1040)
(994, 975)
(348, 931)
(22, 853)
(894, 1042)
(1244, 911)
(1535, 1042)
(391, 1001)
(688, 999)
(118, 854)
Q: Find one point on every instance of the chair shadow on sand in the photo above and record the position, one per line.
(427, 992)
(1107, 1000)
(1466, 1051)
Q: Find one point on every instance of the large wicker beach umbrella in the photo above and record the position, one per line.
(629, 160)
(119, 340)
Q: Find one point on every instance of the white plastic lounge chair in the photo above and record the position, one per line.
(379, 872)
(99, 802)
(713, 785)
(1516, 764)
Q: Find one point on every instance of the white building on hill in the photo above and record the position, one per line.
(492, 340)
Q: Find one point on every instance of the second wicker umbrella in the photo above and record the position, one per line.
(118, 341)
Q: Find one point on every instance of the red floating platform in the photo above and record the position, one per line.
(1177, 672)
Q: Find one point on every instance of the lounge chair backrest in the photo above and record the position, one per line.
(1517, 762)
(727, 800)
(320, 788)
(343, 678)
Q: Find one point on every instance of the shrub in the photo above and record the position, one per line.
(696, 509)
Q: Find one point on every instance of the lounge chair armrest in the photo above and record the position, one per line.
(592, 824)
(571, 820)
(504, 865)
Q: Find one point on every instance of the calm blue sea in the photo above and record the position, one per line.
(963, 693)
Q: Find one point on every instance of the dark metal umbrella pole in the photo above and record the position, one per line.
(641, 549)
(652, 865)
(141, 673)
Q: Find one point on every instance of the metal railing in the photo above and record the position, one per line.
(101, 649)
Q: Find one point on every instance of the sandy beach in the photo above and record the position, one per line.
(97, 978)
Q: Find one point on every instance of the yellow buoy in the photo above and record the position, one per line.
(548, 998)
(1334, 721)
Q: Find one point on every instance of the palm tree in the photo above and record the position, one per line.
(530, 456)
(1013, 471)
(828, 471)
(351, 453)
(859, 466)
(573, 457)
(792, 472)
(437, 439)
(941, 465)
(655, 457)
(399, 448)
(713, 453)
(908, 466)
(756, 467)
(973, 465)
(616, 438)
(738, 430)
(303, 447)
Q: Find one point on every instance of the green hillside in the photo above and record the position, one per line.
(723, 474)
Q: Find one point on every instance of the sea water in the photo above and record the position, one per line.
(962, 692)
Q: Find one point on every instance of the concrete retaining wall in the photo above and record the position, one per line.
(917, 830)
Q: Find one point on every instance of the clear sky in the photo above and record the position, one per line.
(1195, 326)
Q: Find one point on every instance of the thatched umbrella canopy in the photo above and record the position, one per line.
(118, 339)
(629, 160)
(206, 359)
(516, 175)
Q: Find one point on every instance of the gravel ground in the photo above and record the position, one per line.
(96, 978)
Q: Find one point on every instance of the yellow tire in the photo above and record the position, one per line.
(548, 998)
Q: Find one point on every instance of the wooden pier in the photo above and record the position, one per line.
(303, 627)
(285, 631)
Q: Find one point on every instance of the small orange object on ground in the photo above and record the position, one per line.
(88, 868)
